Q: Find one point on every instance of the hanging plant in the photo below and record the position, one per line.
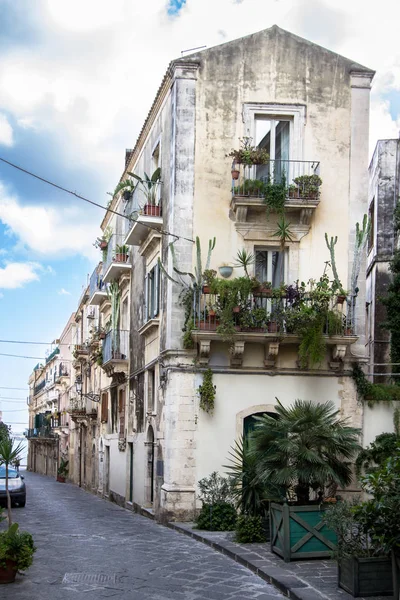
(207, 392)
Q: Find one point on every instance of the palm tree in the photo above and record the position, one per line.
(307, 447)
(251, 495)
(8, 455)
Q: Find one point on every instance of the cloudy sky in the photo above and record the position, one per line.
(77, 78)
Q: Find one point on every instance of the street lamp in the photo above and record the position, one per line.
(90, 396)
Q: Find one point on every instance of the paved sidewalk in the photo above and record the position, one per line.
(91, 549)
(301, 580)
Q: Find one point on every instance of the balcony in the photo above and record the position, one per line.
(277, 319)
(145, 213)
(61, 374)
(39, 387)
(41, 433)
(117, 259)
(97, 287)
(116, 351)
(289, 184)
(80, 351)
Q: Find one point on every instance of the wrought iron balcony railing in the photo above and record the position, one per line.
(262, 313)
(300, 179)
(39, 387)
(41, 432)
(116, 345)
(96, 283)
(117, 252)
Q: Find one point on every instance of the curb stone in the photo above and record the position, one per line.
(285, 582)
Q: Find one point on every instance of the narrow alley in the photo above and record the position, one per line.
(89, 548)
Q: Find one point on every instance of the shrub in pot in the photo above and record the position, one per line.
(380, 515)
(249, 530)
(364, 566)
(16, 552)
(62, 471)
(306, 452)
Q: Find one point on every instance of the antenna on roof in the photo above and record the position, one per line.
(192, 49)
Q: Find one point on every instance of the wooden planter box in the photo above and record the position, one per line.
(366, 576)
(297, 532)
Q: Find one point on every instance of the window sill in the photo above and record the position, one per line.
(148, 327)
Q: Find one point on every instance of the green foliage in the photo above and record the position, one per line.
(8, 455)
(248, 154)
(308, 185)
(127, 185)
(250, 187)
(275, 193)
(251, 495)
(307, 447)
(215, 488)
(148, 185)
(374, 393)
(331, 247)
(16, 546)
(122, 249)
(187, 341)
(255, 318)
(207, 392)
(352, 540)
(372, 458)
(249, 530)
(379, 516)
(217, 517)
(244, 259)
(5, 431)
(63, 468)
(392, 323)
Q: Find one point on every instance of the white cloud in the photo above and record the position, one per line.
(55, 231)
(6, 132)
(63, 292)
(16, 275)
(1, 295)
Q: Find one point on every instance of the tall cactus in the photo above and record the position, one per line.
(331, 247)
(359, 246)
(196, 279)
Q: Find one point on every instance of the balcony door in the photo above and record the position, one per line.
(270, 265)
(274, 135)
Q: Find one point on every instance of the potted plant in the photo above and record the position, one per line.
(121, 253)
(218, 512)
(62, 470)
(248, 155)
(149, 186)
(379, 516)
(314, 458)
(16, 553)
(308, 186)
(275, 193)
(364, 567)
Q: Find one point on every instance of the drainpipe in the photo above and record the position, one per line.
(80, 456)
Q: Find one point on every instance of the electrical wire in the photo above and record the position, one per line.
(63, 189)
(8, 398)
(37, 343)
(13, 388)
(20, 356)
(16, 410)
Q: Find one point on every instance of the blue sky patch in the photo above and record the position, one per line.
(394, 103)
(175, 6)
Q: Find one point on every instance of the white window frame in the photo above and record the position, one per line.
(152, 301)
(295, 113)
(274, 248)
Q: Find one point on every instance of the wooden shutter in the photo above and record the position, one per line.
(156, 304)
(121, 407)
(104, 407)
(146, 299)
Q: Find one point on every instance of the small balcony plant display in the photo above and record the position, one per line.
(149, 186)
(248, 155)
(250, 187)
(275, 194)
(121, 253)
(308, 186)
(310, 449)
(255, 319)
(62, 471)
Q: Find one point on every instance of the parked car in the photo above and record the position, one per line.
(16, 487)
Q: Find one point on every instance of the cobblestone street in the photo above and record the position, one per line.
(89, 548)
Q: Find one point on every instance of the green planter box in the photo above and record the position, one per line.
(366, 576)
(297, 532)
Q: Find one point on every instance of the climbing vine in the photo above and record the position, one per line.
(207, 392)
(373, 393)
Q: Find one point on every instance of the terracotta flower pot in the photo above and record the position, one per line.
(272, 327)
(341, 298)
(151, 210)
(235, 174)
(61, 478)
(103, 245)
(121, 257)
(102, 336)
(9, 572)
(236, 309)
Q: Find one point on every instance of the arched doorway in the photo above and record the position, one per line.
(250, 421)
(150, 466)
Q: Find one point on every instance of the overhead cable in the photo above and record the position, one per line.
(63, 189)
